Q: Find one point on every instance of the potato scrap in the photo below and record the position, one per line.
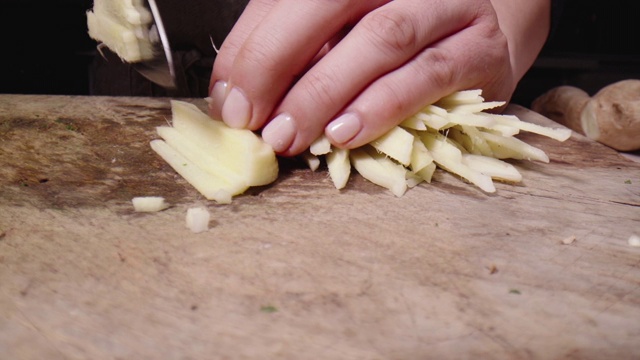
(149, 203)
(198, 219)
(568, 240)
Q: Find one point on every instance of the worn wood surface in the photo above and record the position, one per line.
(297, 269)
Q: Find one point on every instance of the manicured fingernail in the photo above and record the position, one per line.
(218, 93)
(344, 128)
(280, 132)
(236, 110)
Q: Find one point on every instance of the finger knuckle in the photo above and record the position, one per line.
(391, 30)
(439, 68)
(396, 98)
(321, 89)
(260, 55)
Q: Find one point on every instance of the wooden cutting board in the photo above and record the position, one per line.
(298, 269)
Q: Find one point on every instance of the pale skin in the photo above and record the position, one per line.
(353, 69)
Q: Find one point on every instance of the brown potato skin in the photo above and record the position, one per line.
(563, 105)
(615, 111)
(611, 116)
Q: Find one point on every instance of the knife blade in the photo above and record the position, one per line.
(160, 69)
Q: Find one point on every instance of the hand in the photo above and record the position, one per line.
(353, 69)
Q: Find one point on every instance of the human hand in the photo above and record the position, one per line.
(353, 69)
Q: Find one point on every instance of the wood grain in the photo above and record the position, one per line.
(297, 269)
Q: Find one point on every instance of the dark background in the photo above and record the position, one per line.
(46, 49)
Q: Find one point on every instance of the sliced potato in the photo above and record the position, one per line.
(320, 146)
(339, 167)
(379, 169)
(197, 219)
(312, 161)
(560, 134)
(420, 156)
(397, 143)
(414, 123)
(475, 107)
(202, 159)
(220, 162)
(461, 97)
(149, 203)
(449, 157)
(453, 134)
(513, 148)
(123, 26)
(495, 168)
(209, 185)
(240, 150)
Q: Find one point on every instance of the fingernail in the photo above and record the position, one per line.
(280, 132)
(218, 93)
(236, 110)
(344, 128)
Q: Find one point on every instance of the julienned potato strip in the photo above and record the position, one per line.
(454, 134)
(221, 162)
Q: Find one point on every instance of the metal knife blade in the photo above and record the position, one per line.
(160, 69)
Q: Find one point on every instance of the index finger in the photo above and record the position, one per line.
(253, 13)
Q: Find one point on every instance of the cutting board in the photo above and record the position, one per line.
(298, 269)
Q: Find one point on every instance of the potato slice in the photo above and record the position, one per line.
(123, 26)
(471, 139)
(433, 120)
(427, 172)
(197, 219)
(202, 159)
(420, 156)
(240, 150)
(414, 123)
(495, 168)
(475, 108)
(220, 162)
(149, 203)
(339, 167)
(477, 120)
(461, 97)
(312, 161)
(449, 157)
(560, 134)
(379, 169)
(397, 143)
(320, 146)
(209, 185)
(513, 148)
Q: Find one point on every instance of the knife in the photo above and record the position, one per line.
(160, 69)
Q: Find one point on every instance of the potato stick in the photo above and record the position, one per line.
(210, 186)
(397, 144)
(514, 148)
(339, 167)
(320, 146)
(380, 170)
(461, 97)
(493, 167)
(475, 108)
(560, 134)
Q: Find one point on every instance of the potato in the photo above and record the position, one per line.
(219, 161)
(123, 26)
(454, 134)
